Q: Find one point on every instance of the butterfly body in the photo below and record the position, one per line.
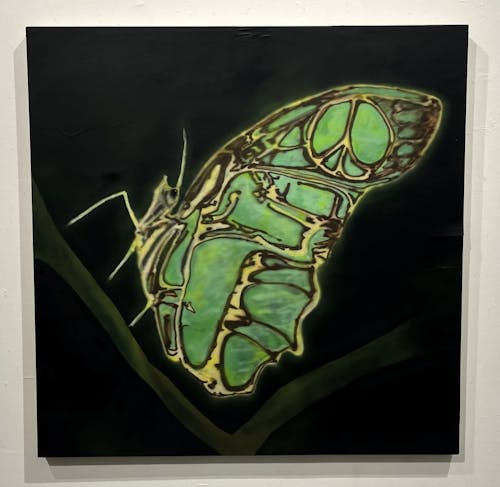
(232, 273)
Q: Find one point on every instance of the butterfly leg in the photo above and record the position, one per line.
(120, 194)
(147, 306)
(129, 253)
(133, 218)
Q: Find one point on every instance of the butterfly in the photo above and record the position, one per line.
(230, 271)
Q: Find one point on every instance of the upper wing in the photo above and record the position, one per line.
(353, 134)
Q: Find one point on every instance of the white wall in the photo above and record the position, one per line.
(477, 465)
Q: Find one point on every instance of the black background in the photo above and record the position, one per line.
(107, 108)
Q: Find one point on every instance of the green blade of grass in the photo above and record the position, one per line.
(51, 248)
(398, 345)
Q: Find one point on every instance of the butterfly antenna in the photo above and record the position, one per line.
(183, 160)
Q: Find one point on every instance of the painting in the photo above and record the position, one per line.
(247, 240)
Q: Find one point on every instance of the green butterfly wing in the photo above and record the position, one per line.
(263, 215)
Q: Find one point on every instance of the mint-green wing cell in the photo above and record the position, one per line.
(232, 273)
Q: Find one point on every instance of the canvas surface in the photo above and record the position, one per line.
(370, 362)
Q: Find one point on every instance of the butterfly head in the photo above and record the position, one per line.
(169, 195)
(165, 196)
